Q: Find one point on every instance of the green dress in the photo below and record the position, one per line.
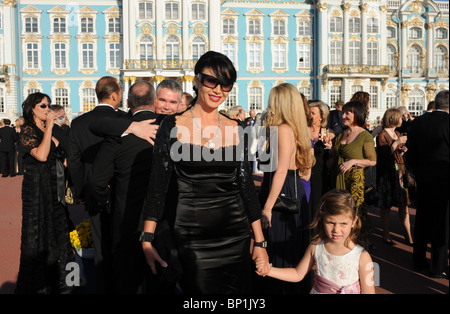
(362, 147)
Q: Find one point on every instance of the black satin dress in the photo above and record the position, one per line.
(217, 201)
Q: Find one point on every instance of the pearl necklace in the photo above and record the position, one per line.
(211, 144)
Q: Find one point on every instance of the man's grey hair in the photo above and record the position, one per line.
(170, 84)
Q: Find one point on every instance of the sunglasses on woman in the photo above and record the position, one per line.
(43, 106)
(212, 82)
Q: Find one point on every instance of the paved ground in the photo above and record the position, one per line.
(396, 275)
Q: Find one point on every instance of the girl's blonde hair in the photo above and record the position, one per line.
(285, 106)
(336, 202)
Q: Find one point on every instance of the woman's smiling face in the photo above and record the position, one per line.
(212, 97)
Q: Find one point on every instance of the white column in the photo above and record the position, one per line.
(364, 34)
(132, 5)
(403, 39)
(429, 44)
(214, 25)
(383, 43)
(159, 16)
(346, 31)
(323, 43)
(11, 43)
(125, 26)
(186, 7)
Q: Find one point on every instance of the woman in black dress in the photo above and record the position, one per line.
(45, 247)
(287, 233)
(217, 210)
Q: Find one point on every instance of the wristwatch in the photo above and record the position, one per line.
(262, 244)
(147, 237)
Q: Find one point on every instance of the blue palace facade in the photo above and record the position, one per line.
(396, 50)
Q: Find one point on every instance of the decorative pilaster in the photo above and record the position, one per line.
(346, 31)
(323, 43)
(363, 8)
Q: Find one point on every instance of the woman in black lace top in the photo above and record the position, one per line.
(45, 246)
(217, 206)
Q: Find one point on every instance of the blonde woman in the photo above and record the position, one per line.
(287, 234)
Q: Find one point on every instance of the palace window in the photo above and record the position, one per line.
(304, 56)
(59, 25)
(88, 99)
(440, 54)
(372, 25)
(87, 53)
(391, 99)
(172, 11)
(335, 94)
(279, 56)
(114, 25)
(198, 11)
(416, 102)
(304, 28)
(441, 33)
(415, 33)
(372, 53)
(198, 47)
(31, 25)
(391, 51)
(373, 93)
(62, 97)
(32, 55)
(354, 52)
(114, 55)
(231, 100)
(254, 55)
(87, 25)
(60, 56)
(279, 28)
(145, 10)
(336, 52)
(414, 62)
(254, 27)
(255, 98)
(229, 49)
(354, 25)
(391, 33)
(172, 48)
(146, 48)
(228, 26)
(336, 25)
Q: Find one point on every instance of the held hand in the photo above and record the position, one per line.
(261, 260)
(145, 130)
(152, 256)
(403, 139)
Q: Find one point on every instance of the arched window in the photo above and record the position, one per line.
(391, 99)
(416, 101)
(415, 32)
(414, 64)
(173, 48)
(391, 32)
(441, 33)
(198, 47)
(440, 53)
(146, 48)
(391, 58)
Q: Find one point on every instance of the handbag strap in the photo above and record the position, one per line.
(295, 177)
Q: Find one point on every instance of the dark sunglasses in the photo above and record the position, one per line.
(43, 106)
(212, 82)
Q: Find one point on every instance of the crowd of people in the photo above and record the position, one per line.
(171, 198)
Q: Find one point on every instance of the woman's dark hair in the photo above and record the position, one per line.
(29, 104)
(359, 111)
(221, 65)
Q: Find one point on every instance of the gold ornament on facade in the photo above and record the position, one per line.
(354, 13)
(322, 7)
(346, 6)
(363, 7)
(187, 78)
(335, 12)
(383, 9)
(10, 3)
(416, 7)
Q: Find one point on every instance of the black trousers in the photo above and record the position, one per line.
(7, 163)
(432, 224)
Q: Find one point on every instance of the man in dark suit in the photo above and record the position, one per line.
(335, 121)
(250, 121)
(428, 158)
(8, 139)
(120, 176)
(83, 147)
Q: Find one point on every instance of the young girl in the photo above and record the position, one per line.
(341, 266)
